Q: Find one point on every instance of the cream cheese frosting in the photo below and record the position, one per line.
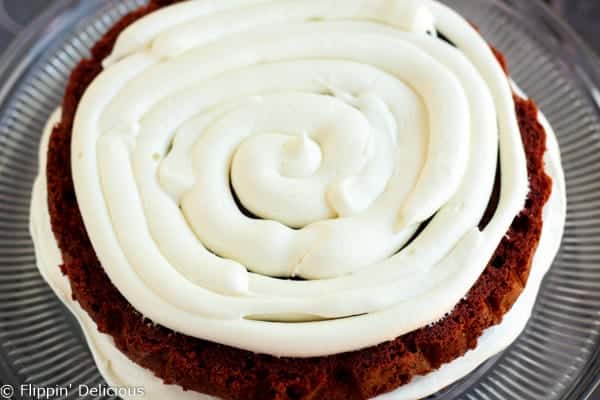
(342, 126)
(121, 372)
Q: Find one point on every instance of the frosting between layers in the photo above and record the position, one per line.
(347, 121)
(119, 371)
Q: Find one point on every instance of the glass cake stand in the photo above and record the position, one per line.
(557, 356)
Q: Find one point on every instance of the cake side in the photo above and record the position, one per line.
(231, 373)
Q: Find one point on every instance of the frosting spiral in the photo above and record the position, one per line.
(229, 146)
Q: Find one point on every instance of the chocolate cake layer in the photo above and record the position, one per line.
(231, 373)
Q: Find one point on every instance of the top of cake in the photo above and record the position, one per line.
(341, 128)
(350, 185)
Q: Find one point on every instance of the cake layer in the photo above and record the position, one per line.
(207, 335)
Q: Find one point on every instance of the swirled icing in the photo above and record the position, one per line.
(342, 126)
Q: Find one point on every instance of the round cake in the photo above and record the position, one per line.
(296, 199)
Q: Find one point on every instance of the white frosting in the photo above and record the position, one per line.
(118, 370)
(342, 118)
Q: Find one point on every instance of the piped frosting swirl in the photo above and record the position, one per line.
(228, 145)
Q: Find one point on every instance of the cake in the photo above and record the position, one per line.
(252, 199)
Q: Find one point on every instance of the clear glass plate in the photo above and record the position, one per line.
(558, 355)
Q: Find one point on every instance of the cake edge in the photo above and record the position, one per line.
(173, 369)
